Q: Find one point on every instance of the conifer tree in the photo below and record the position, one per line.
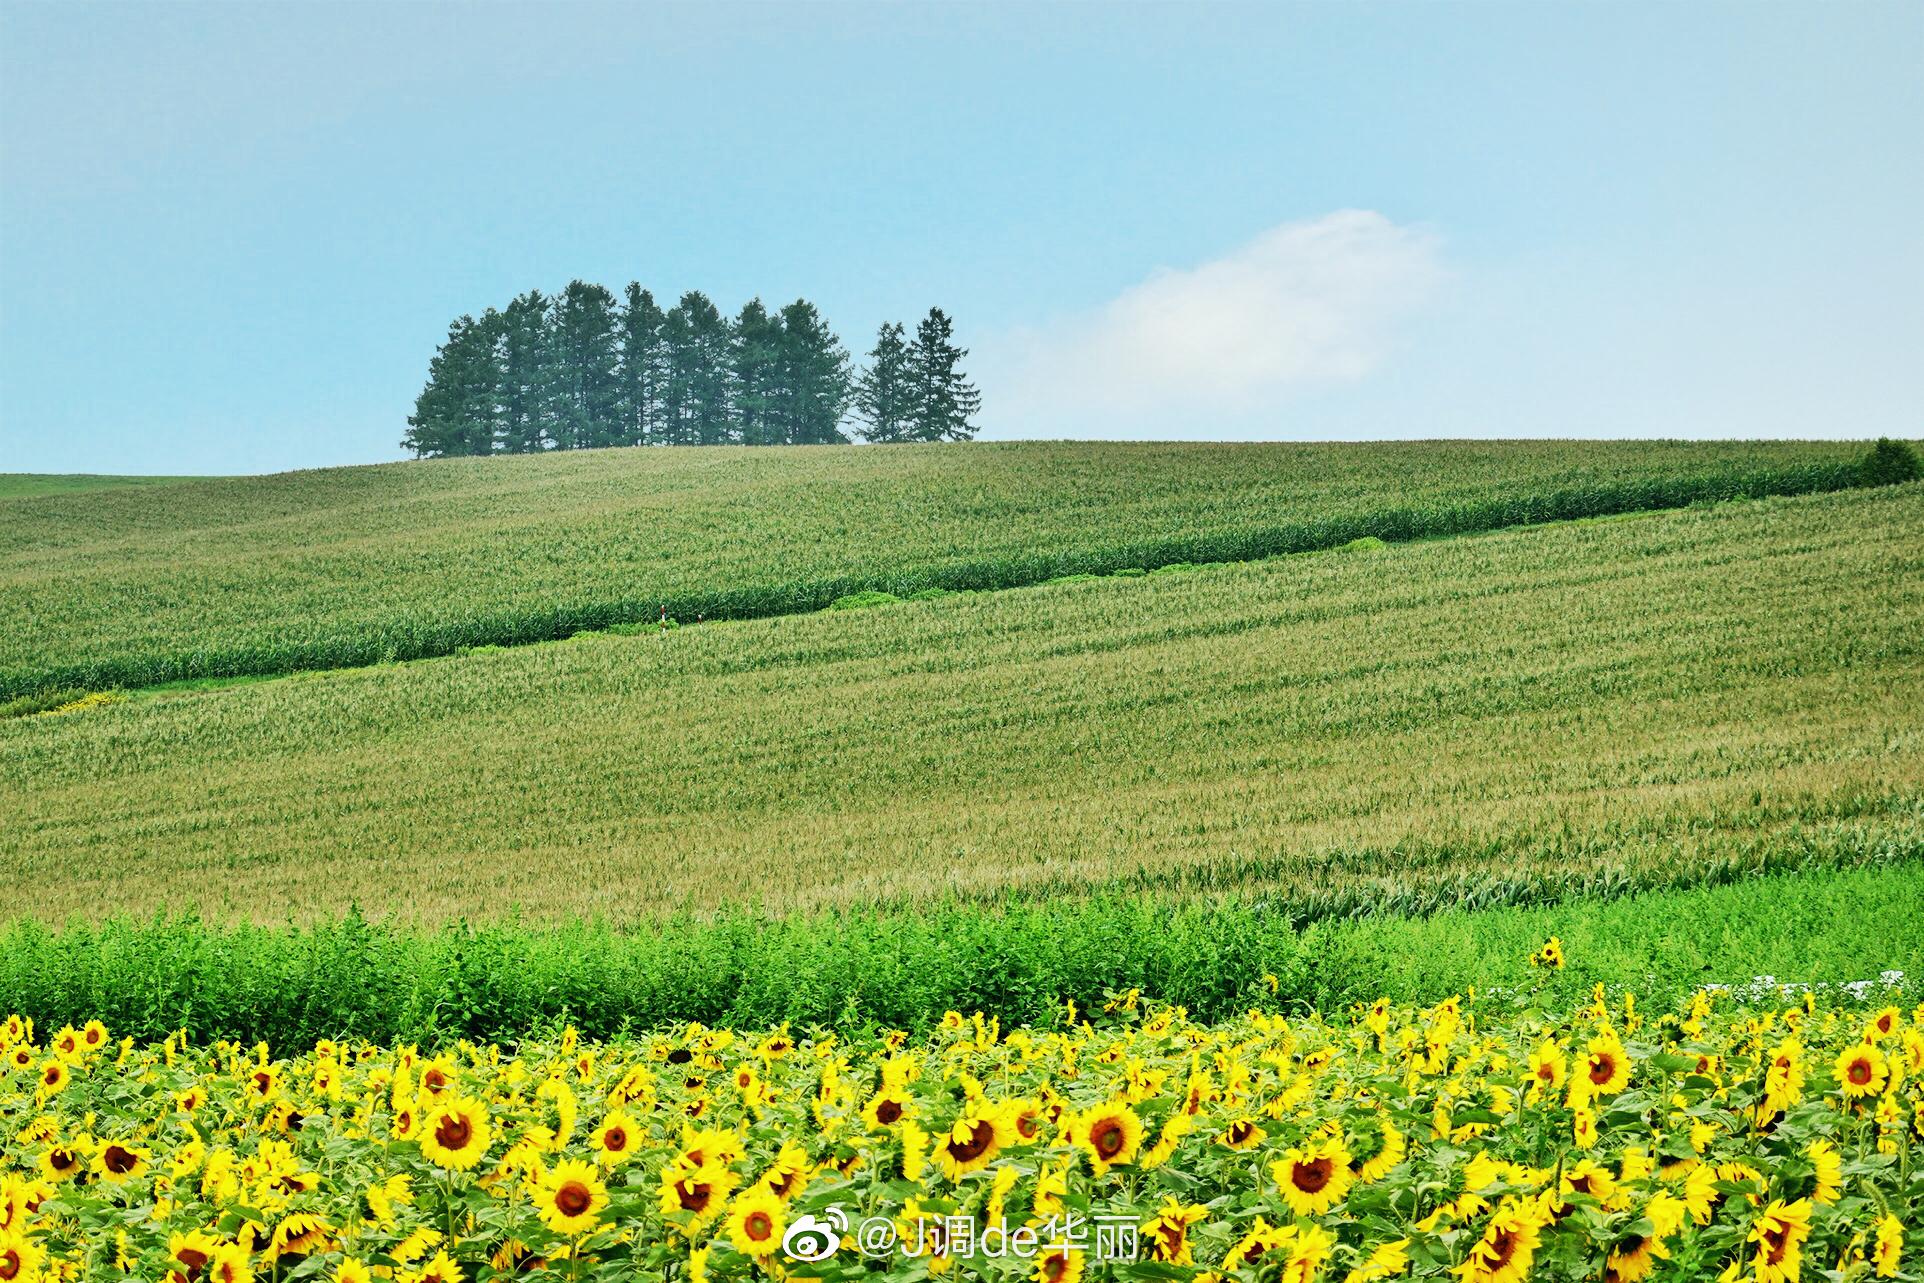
(454, 414)
(756, 390)
(643, 367)
(526, 343)
(883, 399)
(587, 363)
(944, 401)
(815, 380)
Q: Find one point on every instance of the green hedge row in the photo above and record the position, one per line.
(359, 979)
(420, 639)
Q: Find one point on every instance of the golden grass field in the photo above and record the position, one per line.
(1644, 693)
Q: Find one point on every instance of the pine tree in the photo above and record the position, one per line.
(944, 401)
(587, 361)
(454, 414)
(883, 393)
(815, 380)
(643, 367)
(526, 345)
(700, 360)
(755, 371)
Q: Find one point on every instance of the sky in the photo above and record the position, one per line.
(231, 235)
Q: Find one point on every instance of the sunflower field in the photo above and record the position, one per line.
(1481, 1139)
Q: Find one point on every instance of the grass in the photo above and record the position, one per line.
(1602, 706)
(139, 586)
(355, 978)
(20, 485)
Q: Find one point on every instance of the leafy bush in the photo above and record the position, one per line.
(1890, 463)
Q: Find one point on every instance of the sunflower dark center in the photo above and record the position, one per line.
(118, 1160)
(1601, 1069)
(759, 1226)
(1311, 1177)
(981, 1136)
(888, 1112)
(615, 1138)
(453, 1132)
(573, 1199)
(1860, 1072)
(1108, 1138)
(693, 1197)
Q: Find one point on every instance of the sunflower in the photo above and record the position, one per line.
(1779, 1234)
(1314, 1177)
(1508, 1245)
(1828, 1168)
(19, 1259)
(570, 1198)
(1385, 1261)
(1243, 1133)
(788, 1173)
(971, 1143)
(1861, 1071)
(1058, 1265)
(697, 1194)
(229, 1265)
(1604, 1069)
(614, 1140)
(1166, 1235)
(755, 1223)
(352, 1270)
(442, 1269)
(454, 1132)
(118, 1162)
(1547, 1068)
(1372, 1167)
(1889, 1247)
(61, 1162)
(1110, 1134)
(301, 1234)
(54, 1075)
(20, 1057)
(885, 1108)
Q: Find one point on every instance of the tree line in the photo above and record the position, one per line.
(582, 369)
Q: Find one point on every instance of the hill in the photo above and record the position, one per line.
(137, 586)
(1586, 705)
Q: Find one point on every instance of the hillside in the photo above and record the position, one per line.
(131, 587)
(1597, 703)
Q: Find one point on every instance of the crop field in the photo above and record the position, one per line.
(1485, 1141)
(16, 485)
(313, 570)
(1460, 862)
(1584, 704)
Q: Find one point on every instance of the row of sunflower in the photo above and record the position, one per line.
(1715, 1141)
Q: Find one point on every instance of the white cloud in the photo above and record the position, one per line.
(1303, 305)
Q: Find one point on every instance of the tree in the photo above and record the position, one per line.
(526, 352)
(455, 412)
(587, 390)
(944, 401)
(696, 337)
(815, 381)
(755, 371)
(643, 367)
(883, 399)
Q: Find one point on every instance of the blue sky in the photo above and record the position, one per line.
(230, 236)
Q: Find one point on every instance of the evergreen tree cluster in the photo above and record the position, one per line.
(583, 369)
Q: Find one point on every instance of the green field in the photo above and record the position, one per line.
(17, 485)
(326, 569)
(1589, 704)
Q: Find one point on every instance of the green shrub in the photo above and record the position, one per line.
(863, 600)
(1890, 463)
